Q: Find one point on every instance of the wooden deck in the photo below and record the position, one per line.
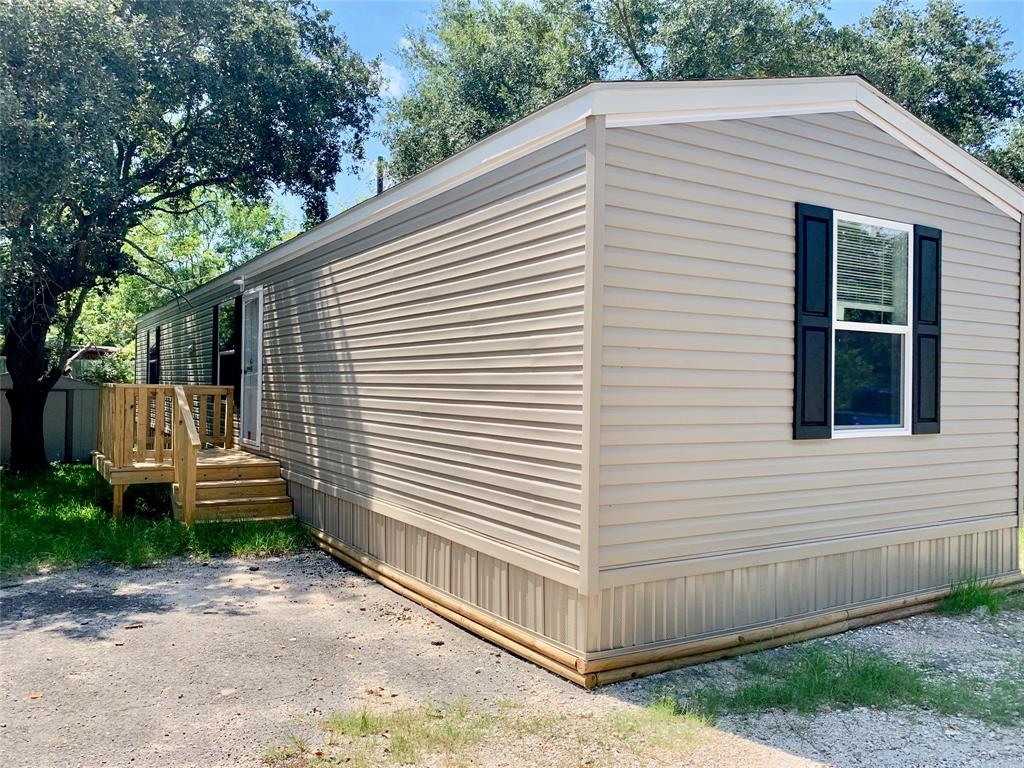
(151, 434)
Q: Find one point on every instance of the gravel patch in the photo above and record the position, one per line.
(211, 665)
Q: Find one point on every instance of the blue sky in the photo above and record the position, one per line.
(376, 27)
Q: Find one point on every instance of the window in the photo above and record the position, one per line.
(224, 362)
(871, 330)
(867, 326)
(227, 344)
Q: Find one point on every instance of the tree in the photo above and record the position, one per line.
(182, 252)
(1007, 157)
(113, 109)
(703, 40)
(948, 68)
(480, 66)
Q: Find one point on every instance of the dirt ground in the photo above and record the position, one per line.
(211, 665)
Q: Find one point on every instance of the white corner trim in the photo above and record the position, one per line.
(593, 290)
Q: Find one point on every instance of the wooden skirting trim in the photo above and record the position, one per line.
(627, 664)
(831, 622)
(499, 632)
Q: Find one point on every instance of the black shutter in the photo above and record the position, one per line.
(215, 346)
(812, 389)
(153, 356)
(927, 329)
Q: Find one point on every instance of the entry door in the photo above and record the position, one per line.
(252, 365)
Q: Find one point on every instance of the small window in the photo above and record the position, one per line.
(227, 343)
(871, 363)
(153, 356)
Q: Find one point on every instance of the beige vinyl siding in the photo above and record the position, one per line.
(430, 366)
(186, 341)
(697, 460)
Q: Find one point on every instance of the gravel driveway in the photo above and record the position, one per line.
(211, 665)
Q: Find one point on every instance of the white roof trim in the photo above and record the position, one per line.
(628, 104)
(640, 103)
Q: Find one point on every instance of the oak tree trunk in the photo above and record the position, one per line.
(28, 453)
(32, 378)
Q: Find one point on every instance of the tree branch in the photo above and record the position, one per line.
(68, 327)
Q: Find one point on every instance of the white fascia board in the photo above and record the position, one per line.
(632, 104)
(627, 104)
(880, 110)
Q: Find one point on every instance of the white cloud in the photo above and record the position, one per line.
(394, 84)
(404, 43)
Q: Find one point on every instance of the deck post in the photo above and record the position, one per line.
(118, 508)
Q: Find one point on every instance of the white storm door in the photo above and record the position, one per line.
(252, 366)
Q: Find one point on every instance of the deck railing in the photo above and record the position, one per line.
(186, 443)
(136, 421)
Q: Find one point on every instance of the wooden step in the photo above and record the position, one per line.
(266, 468)
(246, 508)
(237, 489)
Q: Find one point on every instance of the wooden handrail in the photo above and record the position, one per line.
(186, 444)
(136, 420)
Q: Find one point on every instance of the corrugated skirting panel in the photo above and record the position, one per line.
(705, 605)
(532, 603)
(646, 628)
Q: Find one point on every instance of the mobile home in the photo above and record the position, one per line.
(657, 372)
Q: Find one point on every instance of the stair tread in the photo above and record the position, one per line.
(238, 481)
(242, 500)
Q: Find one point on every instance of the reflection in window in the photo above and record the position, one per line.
(868, 379)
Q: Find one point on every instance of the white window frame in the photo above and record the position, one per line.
(251, 293)
(906, 331)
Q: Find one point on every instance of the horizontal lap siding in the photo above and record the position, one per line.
(433, 363)
(186, 339)
(697, 457)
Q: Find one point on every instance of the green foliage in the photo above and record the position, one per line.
(806, 680)
(813, 678)
(1007, 157)
(118, 368)
(948, 68)
(967, 595)
(113, 110)
(404, 737)
(181, 252)
(51, 521)
(447, 734)
(482, 65)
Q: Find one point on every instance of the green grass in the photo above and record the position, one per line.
(452, 735)
(811, 679)
(407, 736)
(50, 521)
(807, 680)
(968, 595)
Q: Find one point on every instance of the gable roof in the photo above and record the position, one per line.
(640, 103)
